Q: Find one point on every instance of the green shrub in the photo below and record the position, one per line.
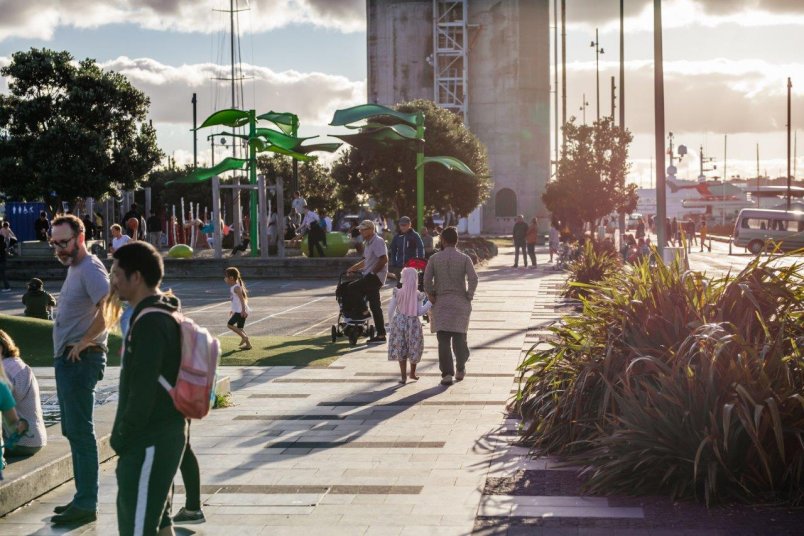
(667, 382)
(597, 262)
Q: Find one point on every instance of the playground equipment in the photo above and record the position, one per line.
(338, 245)
(180, 251)
(259, 139)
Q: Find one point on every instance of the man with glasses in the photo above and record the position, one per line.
(79, 348)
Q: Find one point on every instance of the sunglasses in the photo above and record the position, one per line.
(62, 244)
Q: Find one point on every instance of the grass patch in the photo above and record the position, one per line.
(277, 350)
(223, 401)
(35, 340)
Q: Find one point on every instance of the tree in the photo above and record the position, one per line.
(316, 184)
(387, 174)
(590, 182)
(71, 130)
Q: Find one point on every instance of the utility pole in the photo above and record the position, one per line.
(757, 185)
(725, 169)
(598, 52)
(195, 133)
(622, 68)
(584, 104)
(613, 97)
(555, 77)
(658, 91)
(789, 88)
(563, 73)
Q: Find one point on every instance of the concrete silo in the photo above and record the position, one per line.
(487, 60)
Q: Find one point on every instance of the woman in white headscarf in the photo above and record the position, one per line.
(405, 337)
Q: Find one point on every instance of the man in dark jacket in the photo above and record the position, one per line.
(520, 232)
(406, 245)
(149, 434)
(41, 227)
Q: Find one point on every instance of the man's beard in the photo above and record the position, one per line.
(67, 259)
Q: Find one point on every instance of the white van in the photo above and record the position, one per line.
(758, 229)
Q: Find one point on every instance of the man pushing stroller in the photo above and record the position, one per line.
(374, 268)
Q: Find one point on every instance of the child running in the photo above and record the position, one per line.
(240, 309)
(405, 339)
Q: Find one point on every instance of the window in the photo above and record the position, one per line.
(755, 223)
(505, 203)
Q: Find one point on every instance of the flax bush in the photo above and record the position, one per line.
(668, 382)
(597, 261)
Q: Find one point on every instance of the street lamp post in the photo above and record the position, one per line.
(584, 104)
(598, 51)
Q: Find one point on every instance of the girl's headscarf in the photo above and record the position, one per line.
(407, 297)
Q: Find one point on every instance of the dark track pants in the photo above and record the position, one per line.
(144, 481)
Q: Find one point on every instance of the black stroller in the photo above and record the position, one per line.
(351, 327)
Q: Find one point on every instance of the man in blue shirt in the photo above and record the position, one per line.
(406, 245)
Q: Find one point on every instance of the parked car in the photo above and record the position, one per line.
(760, 229)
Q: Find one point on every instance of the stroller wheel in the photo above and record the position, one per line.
(352, 337)
(334, 333)
(371, 332)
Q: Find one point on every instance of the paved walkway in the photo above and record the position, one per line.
(347, 450)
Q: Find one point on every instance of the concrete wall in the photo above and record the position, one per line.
(509, 88)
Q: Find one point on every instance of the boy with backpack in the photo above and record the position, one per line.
(149, 432)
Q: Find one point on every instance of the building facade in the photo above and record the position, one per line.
(487, 60)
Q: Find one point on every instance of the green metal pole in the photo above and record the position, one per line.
(294, 131)
(252, 179)
(420, 172)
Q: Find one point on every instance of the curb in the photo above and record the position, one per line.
(51, 467)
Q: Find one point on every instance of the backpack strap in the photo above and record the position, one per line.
(176, 315)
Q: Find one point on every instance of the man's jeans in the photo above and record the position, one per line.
(517, 249)
(459, 347)
(75, 385)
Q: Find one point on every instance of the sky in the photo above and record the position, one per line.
(726, 65)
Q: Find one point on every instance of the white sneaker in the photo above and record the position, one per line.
(446, 380)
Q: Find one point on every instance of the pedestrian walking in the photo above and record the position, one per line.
(405, 336)
(374, 268)
(703, 231)
(239, 309)
(38, 302)
(298, 202)
(690, 230)
(531, 238)
(675, 230)
(149, 434)
(520, 231)
(640, 230)
(154, 224)
(554, 239)
(406, 245)
(79, 349)
(450, 282)
(311, 226)
(25, 390)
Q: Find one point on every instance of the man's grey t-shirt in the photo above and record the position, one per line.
(374, 249)
(86, 285)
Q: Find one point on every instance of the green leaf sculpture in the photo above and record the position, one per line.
(323, 147)
(448, 162)
(286, 121)
(204, 174)
(261, 146)
(228, 118)
(281, 139)
(365, 111)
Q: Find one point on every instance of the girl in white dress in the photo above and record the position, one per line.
(405, 337)
(239, 308)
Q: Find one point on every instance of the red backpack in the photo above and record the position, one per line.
(195, 382)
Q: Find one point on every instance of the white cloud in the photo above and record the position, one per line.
(40, 18)
(313, 96)
(719, 96)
